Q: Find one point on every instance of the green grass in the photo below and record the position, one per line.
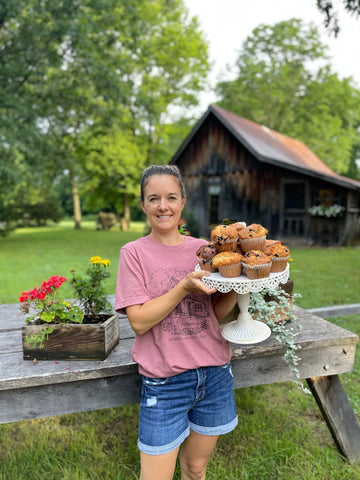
(31, 255)
(326, 276)
(281, 434)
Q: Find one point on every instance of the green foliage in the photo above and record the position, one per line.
(86, 89)
(62, 312)
(38, 340)
(192, 224)
(283, 80)
(90, 290)
(274, 308)
(115, 156)
(37, 213)
(354, 167)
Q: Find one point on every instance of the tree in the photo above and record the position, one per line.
(95, 67)
(331, 12)
(283, 81)
(111, 165)
(29, 35)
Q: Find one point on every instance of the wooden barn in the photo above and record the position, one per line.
(234, 168)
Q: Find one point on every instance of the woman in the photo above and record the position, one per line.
(187, 389)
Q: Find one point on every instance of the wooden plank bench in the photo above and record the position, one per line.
(47, 388)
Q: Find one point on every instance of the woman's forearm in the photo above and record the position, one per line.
(145, 316)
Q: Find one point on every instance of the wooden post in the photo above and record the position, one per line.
(338, 414)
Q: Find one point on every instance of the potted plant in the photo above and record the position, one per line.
(83, 329)
(331, 211)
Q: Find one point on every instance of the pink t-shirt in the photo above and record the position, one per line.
(190, 336)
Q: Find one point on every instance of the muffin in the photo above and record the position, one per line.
(228, 264)
(252, 237)
(256, 264)
(225, 238)
(269, 246)
(238, 225)
(280, 257)
(205, 255)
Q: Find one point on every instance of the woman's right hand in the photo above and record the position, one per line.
(193, 283)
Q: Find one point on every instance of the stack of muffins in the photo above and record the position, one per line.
(238, 248)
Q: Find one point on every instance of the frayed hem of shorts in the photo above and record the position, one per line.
(218, 430)
(162, 449)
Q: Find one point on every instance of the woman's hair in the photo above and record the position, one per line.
(161, 170)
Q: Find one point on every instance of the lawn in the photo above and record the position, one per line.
(31, 255)
(281, 434)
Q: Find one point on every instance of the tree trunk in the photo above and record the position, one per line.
(76, 205)
(125, 221)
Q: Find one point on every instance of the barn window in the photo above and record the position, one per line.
(294, 196)
(326, 197)
(213, 203)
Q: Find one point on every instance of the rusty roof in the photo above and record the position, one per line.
(270, 146)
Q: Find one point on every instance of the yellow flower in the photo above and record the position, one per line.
(105, 262)
(95, 260)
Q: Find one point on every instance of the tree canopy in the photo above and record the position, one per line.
(84, 81)
(284, 81)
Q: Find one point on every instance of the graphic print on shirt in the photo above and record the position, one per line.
(191, 316)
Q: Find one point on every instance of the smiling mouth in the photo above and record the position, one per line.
(164, 216)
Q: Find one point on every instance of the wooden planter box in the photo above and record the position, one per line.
(86, 341)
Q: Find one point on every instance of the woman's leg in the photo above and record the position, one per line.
(158, 467)
(195, 454)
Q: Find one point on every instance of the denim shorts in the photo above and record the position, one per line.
(201, 400)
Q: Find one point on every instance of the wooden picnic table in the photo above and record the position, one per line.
(47, 388)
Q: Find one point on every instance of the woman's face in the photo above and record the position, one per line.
(163, 203)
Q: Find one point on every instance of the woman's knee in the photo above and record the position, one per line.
(192, 470)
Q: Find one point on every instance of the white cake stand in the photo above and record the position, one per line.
(245, 329)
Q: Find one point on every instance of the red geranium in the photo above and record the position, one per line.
(45, 289)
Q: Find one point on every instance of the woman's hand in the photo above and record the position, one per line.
(193, 283)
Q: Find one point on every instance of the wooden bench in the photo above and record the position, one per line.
(47, 388)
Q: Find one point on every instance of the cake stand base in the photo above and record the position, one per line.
(248, 332)
(244, 329)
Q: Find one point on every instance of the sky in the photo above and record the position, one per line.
(227, 23)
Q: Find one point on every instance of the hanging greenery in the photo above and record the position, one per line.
(274, 307)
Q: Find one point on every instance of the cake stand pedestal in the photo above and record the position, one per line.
(245, 330)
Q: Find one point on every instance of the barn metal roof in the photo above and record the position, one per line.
(269, 146)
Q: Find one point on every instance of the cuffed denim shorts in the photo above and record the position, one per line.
(201, 400)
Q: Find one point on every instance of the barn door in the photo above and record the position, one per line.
(293, 203)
